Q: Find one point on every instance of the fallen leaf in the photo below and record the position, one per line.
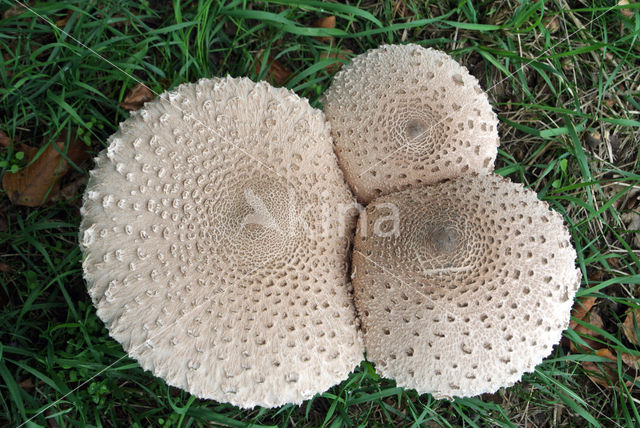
(633, 317)
(5, 267)
(326, 22)
(580, 309)
(625, 11)
(33, 185)
(594, 320)
(606, 353)
(63, 21)
(4, 140)
(27, 384)
(78, 151)
(603, 374)
(13, 11)
(70, 190)
(338, 55)
(632, 361)
(136, 97)
(29, 152)
(628, 359)
(277, 74)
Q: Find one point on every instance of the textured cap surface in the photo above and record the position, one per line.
(214, 248)
(403, 115)
(471, 289)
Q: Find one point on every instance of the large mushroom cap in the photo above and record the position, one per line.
(215, 251)
(462, 286)
(403, 115)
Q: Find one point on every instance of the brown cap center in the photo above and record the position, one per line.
(415, 128)
(444, 239)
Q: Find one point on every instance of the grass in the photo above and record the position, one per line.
(562, 76)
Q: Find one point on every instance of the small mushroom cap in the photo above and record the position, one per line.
(216, 251)
(403, 115)
(462, 286)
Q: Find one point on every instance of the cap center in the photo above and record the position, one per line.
(415, 128)
(444, 239)
(256, 223)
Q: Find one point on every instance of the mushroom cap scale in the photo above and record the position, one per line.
(403, 115)
(469, 290)
(214, 251)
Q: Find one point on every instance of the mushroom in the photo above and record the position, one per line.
(403, 115)
(462, 286)
(214, 248)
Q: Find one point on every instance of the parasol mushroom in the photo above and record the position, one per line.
(462, 286)
(403, 115)
(214, 248)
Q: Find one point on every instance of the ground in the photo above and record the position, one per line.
(562, 76)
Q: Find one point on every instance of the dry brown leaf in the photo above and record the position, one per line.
(629, 360)
(326, 22)
(606, 353)
(78, 154)
(63, 21)
(596, 321)
(338, 55)
(27, 384)
(626, 12)
(5, 267)
(78, 151)
(4, 140)
(603, 375)
(628, 326)
(580, 309)
(70, 190)
(632, 361)
(32, 184)
(277, 74)
(13, 11)
(136, 97)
